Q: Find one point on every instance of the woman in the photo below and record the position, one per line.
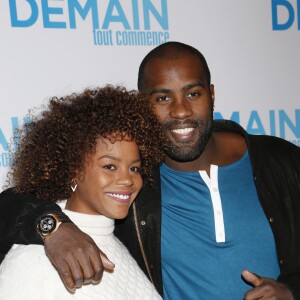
(88, 152)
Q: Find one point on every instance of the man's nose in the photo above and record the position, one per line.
(181, 109)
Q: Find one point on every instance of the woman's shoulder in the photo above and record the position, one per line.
(24, 259)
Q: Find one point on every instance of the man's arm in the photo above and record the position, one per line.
(292, 280)
(19, 214)
(74, 254)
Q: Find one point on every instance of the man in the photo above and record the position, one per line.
(226, 204)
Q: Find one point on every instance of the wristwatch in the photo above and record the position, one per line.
(48, 223)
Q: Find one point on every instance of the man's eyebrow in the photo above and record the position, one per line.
(192, 85)
(159, 90)
(185, 88)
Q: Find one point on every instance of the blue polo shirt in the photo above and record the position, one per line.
(212, 229)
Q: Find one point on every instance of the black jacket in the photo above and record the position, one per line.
(276, 171)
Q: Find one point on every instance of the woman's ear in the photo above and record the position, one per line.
(73, 185)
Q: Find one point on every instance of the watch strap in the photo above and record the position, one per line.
(61, 216)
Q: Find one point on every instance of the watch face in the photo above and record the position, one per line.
(47, 224)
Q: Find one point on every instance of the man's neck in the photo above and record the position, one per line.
(223, 148)
(201, 163)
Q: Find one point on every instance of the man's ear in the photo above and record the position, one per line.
(212, 93)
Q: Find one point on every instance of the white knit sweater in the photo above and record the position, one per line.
(27, 273)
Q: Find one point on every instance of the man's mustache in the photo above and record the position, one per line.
(173, 123)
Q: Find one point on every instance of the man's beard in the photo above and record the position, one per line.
(184, 152)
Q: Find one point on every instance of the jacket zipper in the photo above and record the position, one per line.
(140, 242)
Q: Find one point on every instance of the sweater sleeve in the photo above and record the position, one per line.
(27, 273)
(18, 216)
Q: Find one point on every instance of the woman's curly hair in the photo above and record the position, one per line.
(55, 145)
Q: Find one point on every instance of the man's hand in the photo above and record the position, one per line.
(76, 257)
(265, 288)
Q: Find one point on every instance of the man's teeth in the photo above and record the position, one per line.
(183, 131)
(120, 196)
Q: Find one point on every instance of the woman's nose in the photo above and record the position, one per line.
(124, 178)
